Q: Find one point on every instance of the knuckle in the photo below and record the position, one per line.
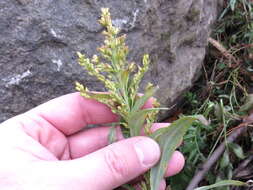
(116, 163)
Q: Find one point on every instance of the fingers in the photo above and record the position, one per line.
(162, 185)
(71, 112)
(115, 164)
(90, 140)
(156, 126)
(175, 164)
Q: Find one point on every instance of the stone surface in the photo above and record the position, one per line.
(39, 41)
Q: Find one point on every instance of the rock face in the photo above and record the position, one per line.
(39, 41)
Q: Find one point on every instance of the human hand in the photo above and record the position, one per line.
(47, 148)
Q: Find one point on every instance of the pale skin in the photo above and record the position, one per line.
(47, 148)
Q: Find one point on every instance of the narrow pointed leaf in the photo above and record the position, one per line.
(112, 137)
(143, 99)
(99, 95)
(137, 119)
(168, 142)
(222, 183)
(155, 135)
(248, 103)
(136, 122)
(202, 119)
(124, 75)
(237, 150)
(225, 161)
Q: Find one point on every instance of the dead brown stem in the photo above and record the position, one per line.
(224, 51)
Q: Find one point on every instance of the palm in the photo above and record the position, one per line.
(55, 132)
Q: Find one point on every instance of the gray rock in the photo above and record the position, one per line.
(39, 41)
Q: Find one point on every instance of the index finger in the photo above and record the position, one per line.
(72, 112)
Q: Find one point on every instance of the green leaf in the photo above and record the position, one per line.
(168, 139)
(202, 119)
(224, 160)
(136, 120)
(248, 103)
(99, 95)
(232, 4)
(222, 183)
(155, 135)
(124, 75)
(112, 137)
(218, 111)
(143, 99)
(237, 150)
(128, 187)
(223, 13)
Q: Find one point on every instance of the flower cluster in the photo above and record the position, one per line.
(121, 79)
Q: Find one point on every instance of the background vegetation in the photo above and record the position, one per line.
(223, 96)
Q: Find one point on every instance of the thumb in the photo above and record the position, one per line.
(115, 164)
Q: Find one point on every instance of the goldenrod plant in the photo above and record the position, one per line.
(122, 79)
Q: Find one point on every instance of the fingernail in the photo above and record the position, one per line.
(148, 151)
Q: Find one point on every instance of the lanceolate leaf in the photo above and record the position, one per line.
(168, 140)
(222, 183)
(136, 120)
(125, 77)
(112, 137)
(155, 135)
(237, 150)
(248, 103)
(143, 99)
(99, 95)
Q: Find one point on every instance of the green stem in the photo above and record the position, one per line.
(122, 88)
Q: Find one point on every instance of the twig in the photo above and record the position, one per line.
(224, 51)
(214, 157)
